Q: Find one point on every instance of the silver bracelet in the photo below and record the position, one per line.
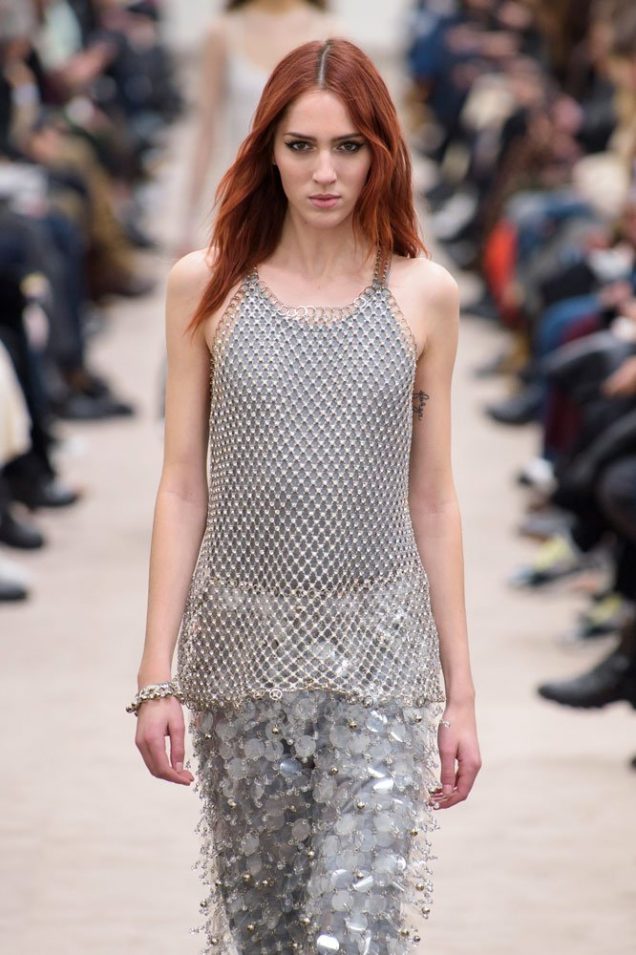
(154, 691)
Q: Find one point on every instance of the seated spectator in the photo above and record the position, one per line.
(86, 90)
(529, 130)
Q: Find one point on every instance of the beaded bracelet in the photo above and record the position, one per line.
(154, 691)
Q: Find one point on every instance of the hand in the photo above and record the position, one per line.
(457, 743)
(157, 719)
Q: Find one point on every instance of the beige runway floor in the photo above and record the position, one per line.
(96, 854)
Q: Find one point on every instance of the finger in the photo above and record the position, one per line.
(145, 754)
(466, 776)
(176, 731)
(447, 760)
(161, 768)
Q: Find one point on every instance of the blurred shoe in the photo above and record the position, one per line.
(42, 492)
(134, 286)
(86, 408)
(610, 681)
(126, 284)
(11, 590)
(537, 473)
(558, 557)
(484, 307)
(607, 613)
(18, 534)
(519, 409)
(543, 524)
(137, 237)
(14, 582)
(83, 381)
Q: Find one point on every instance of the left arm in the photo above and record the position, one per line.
(437, 524)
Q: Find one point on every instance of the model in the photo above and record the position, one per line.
(306, 550)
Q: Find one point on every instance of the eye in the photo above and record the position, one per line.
(350, 146)
(298, 145)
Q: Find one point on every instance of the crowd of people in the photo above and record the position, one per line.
(526, 110)
(87, 90)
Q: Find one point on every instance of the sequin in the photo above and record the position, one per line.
(301, 853)
(308, 653)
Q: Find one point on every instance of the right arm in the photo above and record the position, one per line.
(179, 517)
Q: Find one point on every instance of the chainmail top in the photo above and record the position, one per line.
(309, 576)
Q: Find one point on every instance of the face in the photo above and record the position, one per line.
(322, 160)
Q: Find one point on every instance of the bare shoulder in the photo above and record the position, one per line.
(188, 279)
(425, 279)
(189, 276)
(428, 297)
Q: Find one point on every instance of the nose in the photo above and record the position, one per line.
(324, 172)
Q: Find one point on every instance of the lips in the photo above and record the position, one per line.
(324, 201)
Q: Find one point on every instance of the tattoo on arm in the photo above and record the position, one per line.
(419, 400)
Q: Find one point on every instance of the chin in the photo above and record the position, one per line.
(327, 219)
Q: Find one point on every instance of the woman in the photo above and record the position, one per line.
(241, 48)
(308, 651)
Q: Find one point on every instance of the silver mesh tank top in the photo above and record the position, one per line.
(308, 575)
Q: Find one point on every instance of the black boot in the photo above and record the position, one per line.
(611, 680)
(521, 408)
(15, 533)
(12, 590)
(42, 491)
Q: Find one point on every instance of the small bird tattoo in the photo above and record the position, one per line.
(419, 400)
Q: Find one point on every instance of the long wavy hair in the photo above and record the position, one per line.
(250, 199)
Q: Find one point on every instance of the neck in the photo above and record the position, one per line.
(322, 254)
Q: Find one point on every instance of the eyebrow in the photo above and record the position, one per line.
(336, 139)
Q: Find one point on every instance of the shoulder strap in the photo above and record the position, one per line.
(381, 271)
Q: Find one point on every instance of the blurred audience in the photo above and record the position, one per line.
(525, 113)
(87, 89)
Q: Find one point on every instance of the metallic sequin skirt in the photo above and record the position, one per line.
(315, 824)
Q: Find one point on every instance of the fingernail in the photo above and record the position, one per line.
(448, 790)
(179, 767)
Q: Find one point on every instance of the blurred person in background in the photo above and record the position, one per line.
(241, 48)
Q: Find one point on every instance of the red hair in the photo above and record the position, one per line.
(250, 198)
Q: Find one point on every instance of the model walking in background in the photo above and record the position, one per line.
(314, 576)
(241, 48)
